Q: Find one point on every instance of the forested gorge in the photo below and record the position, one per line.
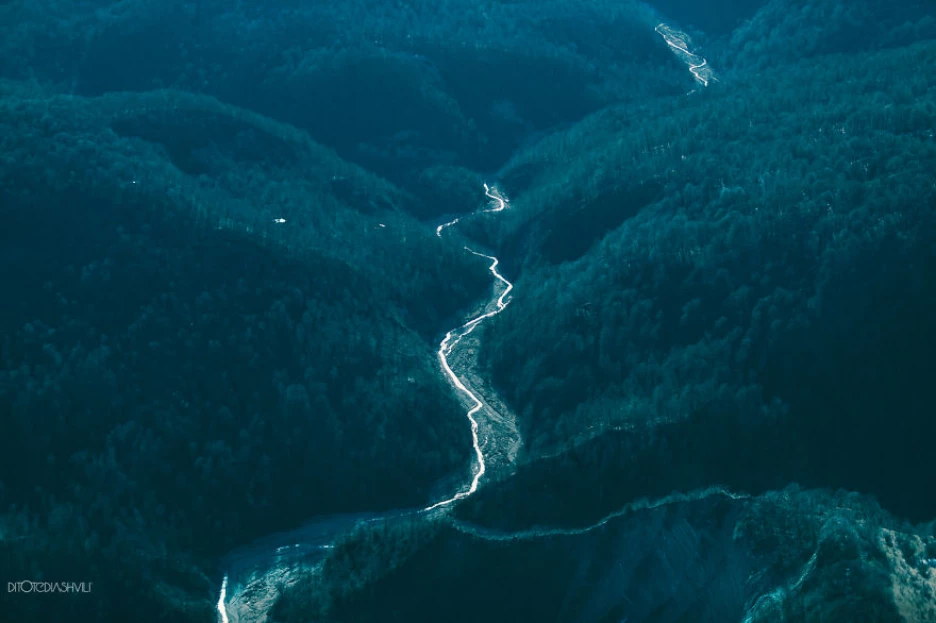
(224, 295)
(181, 373)
(730, 287)
(396, 87)
(783, 258)
(733, 329)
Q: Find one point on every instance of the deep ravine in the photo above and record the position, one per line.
(453, 338)
(253, 581)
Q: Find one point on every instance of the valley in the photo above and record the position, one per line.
(468, 310)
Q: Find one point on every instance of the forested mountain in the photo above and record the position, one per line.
(789, 555)
(733, 327)
(730, 287)
(735, 236)
(181, 372)
(789, 31)
(396, 87)
(234, 234)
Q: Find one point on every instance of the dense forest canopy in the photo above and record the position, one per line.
(224, 293)
(188, 360)
(396, 87)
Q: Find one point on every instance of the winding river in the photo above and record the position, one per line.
(255, 574)
(455, 336)
(679, 42)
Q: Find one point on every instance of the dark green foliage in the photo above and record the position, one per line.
(215, 328)
(660, 564)
(780, 284)
(718, 443)
(180, 374)
(365, 555)
(760, 316)
(395, 87)
(571, 233)
(784, 30)
(789, 555)
(715, 17)
(446, 190)
(831, 556)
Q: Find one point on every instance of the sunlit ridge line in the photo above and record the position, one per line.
(447, 345)
(691, 496)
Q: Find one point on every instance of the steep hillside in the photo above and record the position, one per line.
(215, 328)
(783, 31)
(759, 257)
(244, 251)
(396, 87)
(791, 555)
(727, 288)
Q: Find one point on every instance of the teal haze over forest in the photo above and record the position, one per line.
(468, 310)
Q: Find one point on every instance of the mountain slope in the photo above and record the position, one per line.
(788, 555)
(215, 328)
(777, 279)
(396, 88)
